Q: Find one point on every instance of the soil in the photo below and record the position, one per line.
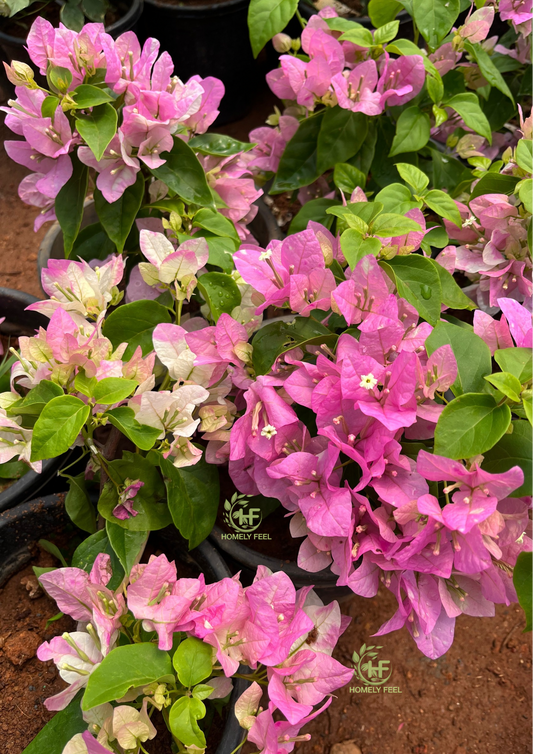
(25, 681)
(20, 24)
(284, 207)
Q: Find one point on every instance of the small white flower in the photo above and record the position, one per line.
(468, 222)
(265, 255)
(368, 381)
(269, 431)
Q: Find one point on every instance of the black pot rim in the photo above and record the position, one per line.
(402, 15)
(126, 20)
(220, 8)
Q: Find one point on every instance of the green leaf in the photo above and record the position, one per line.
(298, 164)
(13, 469)
(383, 11)
(488, 69)
(118, 217)
(524, 155)
(507, 384)
(134, 324)
(78, 505)
(347, 177)
(220, 292)
(69, 203)
(124, 668)
(467, 105)
(128, 545)
(59, 78)
(123, 418)
(469, 425)
(396, 198)
(183, 717)
(53, 550)
(443, 205)
(523, 583)
(494, 183)
(341, 135)
(216, 223)
(113, 390)
(447, 172)
(389, 224)
(413, 176)
(86, 96)
(418, 282)
(412, 131)
(517, 361)
(85, 555)
(435, 18)
(34, 402)
(471, 352)
(84, 384)
(193, 661)
(266, 18)
(72, 16)
(452, 295)
(49, 106)
(528, 409)
(386, 33)
(355, 247)
(58, 426)
(221, 251)
(95, 10)
(513, 450)
(150, 500)
(436, 238)
(525, 192)
(183, 174)
(97, 128)
(93, 243)
(360, 36)
(193, 495)
(275, 338)
(58, 731)
(219, 144)
(313, 210)
(202, 691)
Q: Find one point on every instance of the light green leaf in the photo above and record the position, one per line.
(435, 19)
(524, 155)
(193, 661)
(383, 11)
(347, 177)
(507, 384)
(525, 192)
(315, 210)
(443, 205)
(58, 426)
(523, 583)
(355, 247)
(386, 33)
(471, 353)
(360, 36)
(469, 425)
(216, 223)
(113, 390)
(124, 668)
(517, 361)
(396, 198)
(183, 721)
(84, 384)
(413, 176)
(389, 224)
(266, 18)
(412, 131)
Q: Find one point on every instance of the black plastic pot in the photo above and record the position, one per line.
(21, 322)
(406, 22)
(13, 48)
(24, 525)
(264, 228)
(209, 40)
(244, 559)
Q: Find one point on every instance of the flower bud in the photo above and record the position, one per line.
(20, 74)
(282, 42)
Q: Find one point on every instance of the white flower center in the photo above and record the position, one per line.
(269, 431)
(265, 255)
(368, 381)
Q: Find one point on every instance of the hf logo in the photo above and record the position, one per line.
(371, 672)
(243, 517)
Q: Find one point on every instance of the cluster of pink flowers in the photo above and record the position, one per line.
(155, 107)
(367, 397)
(269, 626)
(494, 251)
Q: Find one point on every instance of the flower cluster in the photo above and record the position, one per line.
(285, 637)
(359, 490)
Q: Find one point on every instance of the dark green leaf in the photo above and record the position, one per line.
(467, 105)
(277, 337)
(85, 555)
(123, 418)
(452, 295)
(513, 450)
(218, 144)
(58, 731)
(95, 10)
(183, 174)
(78, 505)
(412, 131)
(128, 545)
(134, 324)
(69, 203)
(93, 243)
(313, 210)
(97, 128)
(523, 583)
(347, 177)
(341, 135)
(220, 292)
(86, 96)
(298, 164)
(488, 69)
(418, 282)
(118, 217)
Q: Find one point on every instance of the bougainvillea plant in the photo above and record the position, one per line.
(173, 646)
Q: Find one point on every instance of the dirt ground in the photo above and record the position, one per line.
(475, 699)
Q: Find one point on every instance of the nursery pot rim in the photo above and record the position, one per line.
(128, 18)
(402, 16)
(220, 8)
